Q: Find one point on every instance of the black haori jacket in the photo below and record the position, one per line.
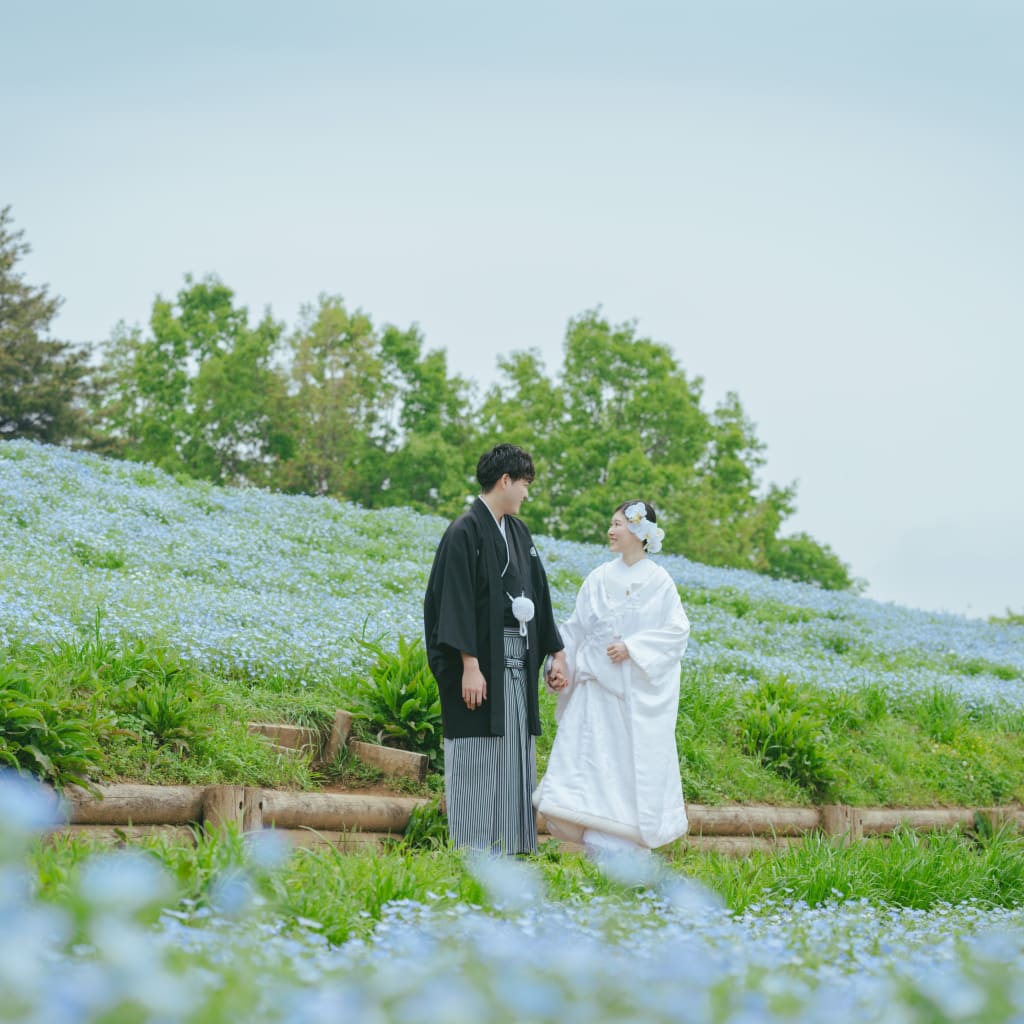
(464, 610)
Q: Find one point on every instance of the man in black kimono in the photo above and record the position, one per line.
(489, 624)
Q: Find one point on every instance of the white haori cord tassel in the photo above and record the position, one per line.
(522, 609)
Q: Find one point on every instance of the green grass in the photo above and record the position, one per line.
(347, 893)
(920, 750)
(906, 869)
(159, 719)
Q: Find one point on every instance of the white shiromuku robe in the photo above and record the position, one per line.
(614, 767)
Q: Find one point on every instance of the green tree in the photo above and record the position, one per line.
(199, 394)
(340, 397)
(801, 557)
(432, 435)
(41, 378)
(727, 519)
(622, 420)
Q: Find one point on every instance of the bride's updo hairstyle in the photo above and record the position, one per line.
(649, 514)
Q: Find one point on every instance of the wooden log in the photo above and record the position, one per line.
(296, 737)
(877, 820)
(391, 761)
(345, 842)
(288, 751)
(739, 846)
(340, 731)
(252, 809)
(224, 805)
(122, 834)
(1010, 814)
(128, 803)
(337, 811)
(843, 821)
(752, 820)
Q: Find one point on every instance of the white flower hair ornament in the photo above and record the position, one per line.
(640, 526)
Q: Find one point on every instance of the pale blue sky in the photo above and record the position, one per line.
(818, 205)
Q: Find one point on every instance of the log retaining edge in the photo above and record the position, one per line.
(337, 811)
(129, 803)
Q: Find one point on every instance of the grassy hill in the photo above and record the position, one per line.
(158, 615)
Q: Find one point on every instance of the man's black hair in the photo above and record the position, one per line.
(502, 459)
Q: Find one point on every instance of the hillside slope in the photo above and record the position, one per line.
(266, 582)
(245, 604)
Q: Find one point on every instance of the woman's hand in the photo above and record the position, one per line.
(618, 651)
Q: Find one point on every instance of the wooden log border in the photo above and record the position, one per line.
(301, 741)
(354, 820)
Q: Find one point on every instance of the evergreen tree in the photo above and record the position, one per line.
(40, 377)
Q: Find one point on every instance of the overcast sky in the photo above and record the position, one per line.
(818, 205)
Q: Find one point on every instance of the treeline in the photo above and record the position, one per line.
(343, 407)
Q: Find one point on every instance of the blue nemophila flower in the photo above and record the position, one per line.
(258, 583)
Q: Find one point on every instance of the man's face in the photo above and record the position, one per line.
(514, 494)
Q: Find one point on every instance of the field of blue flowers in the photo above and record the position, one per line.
(120, 945)
(262, 584)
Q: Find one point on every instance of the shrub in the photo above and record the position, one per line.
(783, 727)
(400, 702)
(43, 736)
(806, 560)
(156, 695)
(427, 828)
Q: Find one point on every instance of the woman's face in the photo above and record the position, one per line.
(620, 539)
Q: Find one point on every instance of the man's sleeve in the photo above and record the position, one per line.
(451, 593)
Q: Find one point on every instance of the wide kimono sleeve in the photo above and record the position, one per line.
(448, 608)
(573, 633)
(656, 649)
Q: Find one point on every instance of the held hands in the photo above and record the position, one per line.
(557, 676)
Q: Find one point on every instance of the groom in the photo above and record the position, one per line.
(489, 624)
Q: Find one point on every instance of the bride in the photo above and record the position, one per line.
(612, 780)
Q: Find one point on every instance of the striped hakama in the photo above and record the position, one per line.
(489, 780)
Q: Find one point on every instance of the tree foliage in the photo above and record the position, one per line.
(40, 377)
(622, 420)
(198, 394)
(343, 407)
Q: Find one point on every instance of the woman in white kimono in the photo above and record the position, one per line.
(612, 780)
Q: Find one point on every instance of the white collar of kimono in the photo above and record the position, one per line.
(500, 524)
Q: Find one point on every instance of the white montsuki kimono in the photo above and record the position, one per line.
(614, 767)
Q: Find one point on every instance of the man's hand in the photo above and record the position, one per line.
(474, 686)
(558, 675)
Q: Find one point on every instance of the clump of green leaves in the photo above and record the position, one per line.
(427, 828)
(784, 727)
(400, 703)
(43, 735)
(155, 695)
(94, 558)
